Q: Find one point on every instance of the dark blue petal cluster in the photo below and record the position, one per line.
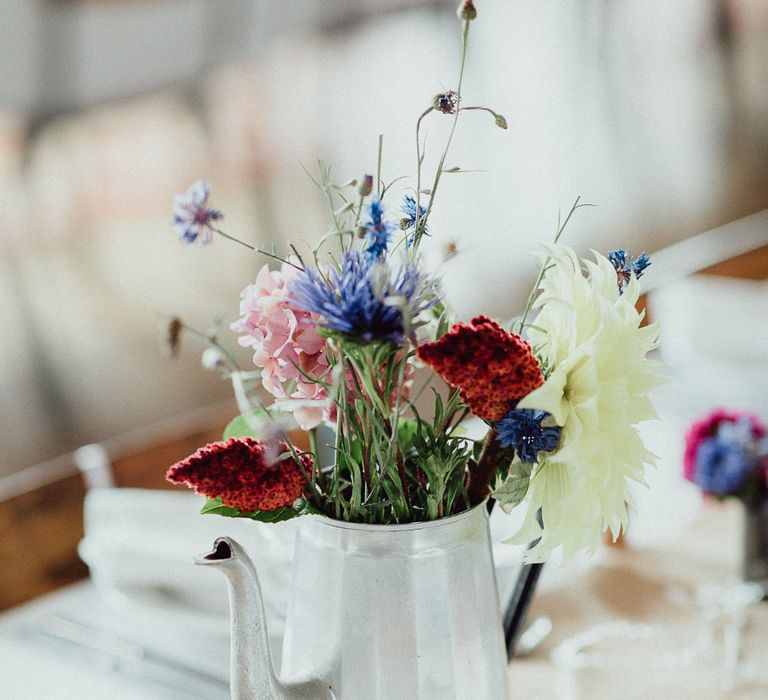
(640, 264)
(377, 231)
(409, 220)
(624, 264)
(446, 102)
(365, 300)
(521, 429)
(722, 466)
(192, 216)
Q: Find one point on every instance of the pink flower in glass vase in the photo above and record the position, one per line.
(285, 344)
(707, 428)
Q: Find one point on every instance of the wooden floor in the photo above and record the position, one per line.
(43, 527)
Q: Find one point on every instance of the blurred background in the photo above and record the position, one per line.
(655, 112)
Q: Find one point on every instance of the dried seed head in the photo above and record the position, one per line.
(366, 186)
(446, 102)
(172, 339)
(450, 250)
(467, 11)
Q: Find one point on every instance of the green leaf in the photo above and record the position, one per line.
(512, 490)
(272, 516)
(354, 449)
(214, 506)
(238, 427)
(406, 432)
(431, 507)
(438, 419)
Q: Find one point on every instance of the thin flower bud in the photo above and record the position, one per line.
(361, 231)
(366, 186)
(213, 359)
(500, 121)
(467, 11)
(172, 339)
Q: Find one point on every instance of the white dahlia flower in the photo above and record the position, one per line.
(589, 336)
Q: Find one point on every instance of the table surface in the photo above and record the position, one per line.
(87, 649)
(655, 587)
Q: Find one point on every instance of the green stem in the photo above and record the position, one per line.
(544, 267)
(378, 165)
(313, 450)
(404, 482)
(359, 212)
(334, 215)
(257, 249)
(212, 340)
(398, 397)
(421, 222)
(495, 115)
(419, 161)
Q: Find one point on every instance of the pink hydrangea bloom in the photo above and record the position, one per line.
(707, 428)
(284, 338)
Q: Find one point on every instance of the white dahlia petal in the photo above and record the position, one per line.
(597, 392)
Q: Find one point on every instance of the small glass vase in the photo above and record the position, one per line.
(755, 566)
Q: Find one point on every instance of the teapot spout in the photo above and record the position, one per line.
(252, 671)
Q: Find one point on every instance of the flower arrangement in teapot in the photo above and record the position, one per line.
(349, 335)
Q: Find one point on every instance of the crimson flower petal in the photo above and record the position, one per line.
(491, 367)
(239, 472)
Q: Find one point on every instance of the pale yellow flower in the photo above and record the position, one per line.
(598, 392)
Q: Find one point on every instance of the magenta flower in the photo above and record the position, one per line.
(707, 428)
(192, 216)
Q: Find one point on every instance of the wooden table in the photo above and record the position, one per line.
(641, 586)
(650, 586)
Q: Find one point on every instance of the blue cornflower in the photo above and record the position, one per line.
(377, 231)
(192, 216)
(521, 429)
(722, 466)
(366, 300)
(624, 264)
(409, 220)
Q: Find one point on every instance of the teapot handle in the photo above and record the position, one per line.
(515, 610)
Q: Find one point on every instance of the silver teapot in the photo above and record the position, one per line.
(376, 612)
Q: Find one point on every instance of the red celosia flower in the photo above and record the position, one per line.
(707, 428)
(490, 366)
(239, 472)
